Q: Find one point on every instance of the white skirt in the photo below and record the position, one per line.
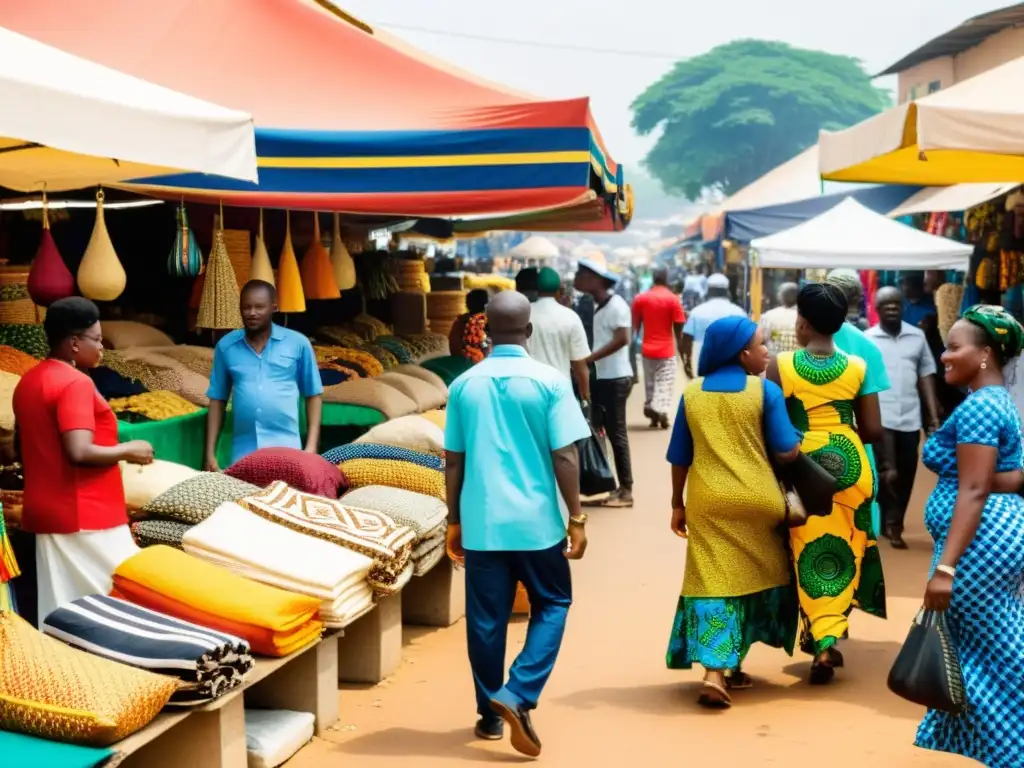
(73, 565)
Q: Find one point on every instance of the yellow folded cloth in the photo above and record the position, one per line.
(394, 474)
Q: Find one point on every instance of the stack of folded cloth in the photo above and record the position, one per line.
(263, 551)
(426, 515)
(208, 663)
(370, 533)
(274, 622)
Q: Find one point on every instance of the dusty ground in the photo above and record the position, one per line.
(611, 701)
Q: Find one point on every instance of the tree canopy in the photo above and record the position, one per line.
(732, 114)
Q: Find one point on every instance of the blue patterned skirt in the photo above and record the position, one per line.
(986, 620)
(717, 632)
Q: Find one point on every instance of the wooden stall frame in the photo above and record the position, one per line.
(370, 649)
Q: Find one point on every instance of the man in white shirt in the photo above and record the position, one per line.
(695, 288)
(716, 307)
(559, 339)
(779, 325)
(613, 323)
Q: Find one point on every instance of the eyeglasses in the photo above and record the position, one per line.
(93, 339)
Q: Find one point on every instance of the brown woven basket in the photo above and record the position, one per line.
(446, 305)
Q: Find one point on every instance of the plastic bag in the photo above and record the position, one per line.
(595, 473)
(927, 670)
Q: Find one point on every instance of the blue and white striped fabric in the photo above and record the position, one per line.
(375, 451)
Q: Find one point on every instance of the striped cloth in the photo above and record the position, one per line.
(377, 451)
(209, 663)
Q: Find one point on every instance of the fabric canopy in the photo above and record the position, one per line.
(970, 132)
(347, 119)
(535, 247)
(68, 123)
(852, 236)
(744, 226)
(959, 197)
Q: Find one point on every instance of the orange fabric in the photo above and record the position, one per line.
(318, 281)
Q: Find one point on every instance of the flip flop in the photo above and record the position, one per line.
(822, 673)
(714, 696)
(739, 681)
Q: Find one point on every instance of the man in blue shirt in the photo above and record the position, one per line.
(264, 369)
(512, 425)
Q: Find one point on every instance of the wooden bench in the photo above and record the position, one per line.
(213, 735)
(370, 648)
(436, 599)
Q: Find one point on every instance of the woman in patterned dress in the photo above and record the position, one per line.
(977, 522)
(836, 556)
(737, 588)
(468, 335)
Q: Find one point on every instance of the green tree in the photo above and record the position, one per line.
(732, 114)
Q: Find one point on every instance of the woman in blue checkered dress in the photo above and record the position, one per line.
(978, 567)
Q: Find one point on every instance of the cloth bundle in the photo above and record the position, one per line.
(207, 663)
(306, 471)
(395, 474)
(274, 622)
(150, 532)
(426, 515)
(413, 432)
(263, 551)
(350, 451)
(370, 533)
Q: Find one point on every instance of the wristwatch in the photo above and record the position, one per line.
(949, 570)
(580, 519)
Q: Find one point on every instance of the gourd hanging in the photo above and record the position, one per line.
(341, 260)
(218, 308)
(185, 260)
(261, 268)
(100, 275)
(317, 274)
(49, 279)
(290, 297)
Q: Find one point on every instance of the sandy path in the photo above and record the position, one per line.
(611, 701)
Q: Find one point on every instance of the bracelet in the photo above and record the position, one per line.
(949, 570)
(579, 520)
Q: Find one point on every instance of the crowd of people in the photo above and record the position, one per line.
(812, 382)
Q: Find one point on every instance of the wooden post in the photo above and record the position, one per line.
(371, 647)
(308, 683)
(436, 599)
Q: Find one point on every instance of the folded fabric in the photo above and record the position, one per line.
(428, 562)
(272, 736)
(394, 474)
(376, 451)
(424, 394)
(430, 543)
(353, 604)
(142, 484)
(305, 471)
(371, 394)
(21, 750)
(412, 432)
(437, 417)
(273, 621)
(150, 532)
(51, 690)
(370, 533)
(198, 497)
(420, 512)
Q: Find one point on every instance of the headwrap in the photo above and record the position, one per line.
(847, 279)
(1002, 331)
(723, 341)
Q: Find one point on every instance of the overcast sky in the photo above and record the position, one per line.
(877, 31)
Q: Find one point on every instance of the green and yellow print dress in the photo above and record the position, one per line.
(836, 557)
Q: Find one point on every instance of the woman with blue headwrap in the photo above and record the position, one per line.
(736, 589)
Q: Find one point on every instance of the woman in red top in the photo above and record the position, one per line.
(74, 498)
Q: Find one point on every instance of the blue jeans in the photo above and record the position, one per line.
(491, 579)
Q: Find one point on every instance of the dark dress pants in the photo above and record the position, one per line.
(610, 397)
(894, 500)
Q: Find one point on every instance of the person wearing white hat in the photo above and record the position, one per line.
(613, 324)
(714, 308)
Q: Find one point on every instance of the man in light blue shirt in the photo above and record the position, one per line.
(716, 307)
(263, 368)
(512, 424)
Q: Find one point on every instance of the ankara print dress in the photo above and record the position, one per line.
(836, 557)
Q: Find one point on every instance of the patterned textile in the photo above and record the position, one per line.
(160, 372)
(986, 615)
(420, 512)
(350, 451)
(371, 533)
(429, 561)
(412, 432)
(195, 499)
(211, 663)
(50, 690)
(150, 532)
(156, 406)
(273, 621)
(659, 384)
(430, 542)
(30, 339)
(395, 474)
(836, 557)
(717, 632)
(305, 471)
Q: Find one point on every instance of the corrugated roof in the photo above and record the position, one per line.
(972, 32)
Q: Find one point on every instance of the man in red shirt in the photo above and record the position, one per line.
(659, 313)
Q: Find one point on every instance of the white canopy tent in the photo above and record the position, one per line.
(67, 123)
(852, 236)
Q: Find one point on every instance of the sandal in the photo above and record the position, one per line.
(836, 657)
(714, 696)
(822, 673)
(738, 680)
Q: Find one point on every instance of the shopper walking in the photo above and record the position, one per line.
(737, 589)
(612, 325)
(559, 339)
(512, 425)
(978, 565)
(910, 369)
(714, 308)
(468, 335)
(779, 324)
(264, 369)
(658, 315)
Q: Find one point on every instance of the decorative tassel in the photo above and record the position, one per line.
(290, 297)
(8, 564)
(317, 274)
(261, 268)
(100, 275)
(218, 308)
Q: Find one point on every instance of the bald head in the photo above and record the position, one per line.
(508, 318)
(659, 276)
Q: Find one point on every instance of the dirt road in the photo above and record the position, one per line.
(612, 702)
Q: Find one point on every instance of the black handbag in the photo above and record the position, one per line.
(808, 485)
(595, 473)
(927, 670)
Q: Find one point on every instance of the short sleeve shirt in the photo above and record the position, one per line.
(507, 414)
(62, 497)
(658, 311)
(558, 335)
(610, 317)
(907, 359)
(853, 341)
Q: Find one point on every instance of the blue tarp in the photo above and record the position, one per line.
(744, 226)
